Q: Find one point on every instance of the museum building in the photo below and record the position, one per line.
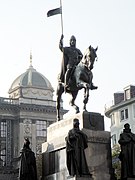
(28, 111)
(121, 112)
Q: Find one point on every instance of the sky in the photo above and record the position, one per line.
(108, 24)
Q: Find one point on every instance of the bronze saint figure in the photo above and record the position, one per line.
(76, 143)
(28, 169)
(127, 155)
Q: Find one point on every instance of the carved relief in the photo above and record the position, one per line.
(37, 92)
(38, 148)
(27, 127)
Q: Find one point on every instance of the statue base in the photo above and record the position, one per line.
(98, 153)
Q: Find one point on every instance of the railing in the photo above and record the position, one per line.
(108, 105)
(8, 101)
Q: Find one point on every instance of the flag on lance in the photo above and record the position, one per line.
(53, 12)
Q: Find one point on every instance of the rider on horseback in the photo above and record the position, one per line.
(71, 58)
(77, 76)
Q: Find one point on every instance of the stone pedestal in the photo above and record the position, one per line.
(98, 153)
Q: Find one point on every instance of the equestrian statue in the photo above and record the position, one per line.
(76, 74)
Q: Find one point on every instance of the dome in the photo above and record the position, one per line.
(31, 85)
(31, 78)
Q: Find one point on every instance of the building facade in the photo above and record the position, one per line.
(28, 111)
(121, 112)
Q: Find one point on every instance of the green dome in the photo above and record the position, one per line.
(31, 78)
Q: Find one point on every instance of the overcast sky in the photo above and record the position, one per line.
(108, 24)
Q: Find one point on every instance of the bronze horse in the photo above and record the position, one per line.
(81, 78)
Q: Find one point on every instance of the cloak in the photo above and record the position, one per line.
(76, 143)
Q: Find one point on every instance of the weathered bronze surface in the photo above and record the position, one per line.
(76, 73)
(28, 169)
(76, 143)
(127, 154)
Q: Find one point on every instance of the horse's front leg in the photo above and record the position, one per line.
(73, 96)
(60, 90)
(86, 98)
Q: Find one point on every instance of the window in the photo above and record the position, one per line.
(127, 94)
(113, 139)
(3, 129)
(41, 128)
(112, 120)
(124, 114)
(134, 110)
(3, 157)
(3, 134)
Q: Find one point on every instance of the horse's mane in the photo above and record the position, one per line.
(84, 59)
(87, 53)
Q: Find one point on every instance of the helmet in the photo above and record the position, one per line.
(73, 37)
(72, 41)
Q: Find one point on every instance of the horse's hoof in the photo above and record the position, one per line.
(77, 110)
(58, 118)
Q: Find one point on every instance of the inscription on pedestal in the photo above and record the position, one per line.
(98, 139)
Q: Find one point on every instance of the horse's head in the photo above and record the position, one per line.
(89, 57)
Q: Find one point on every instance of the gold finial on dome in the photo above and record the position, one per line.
(30, 58)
